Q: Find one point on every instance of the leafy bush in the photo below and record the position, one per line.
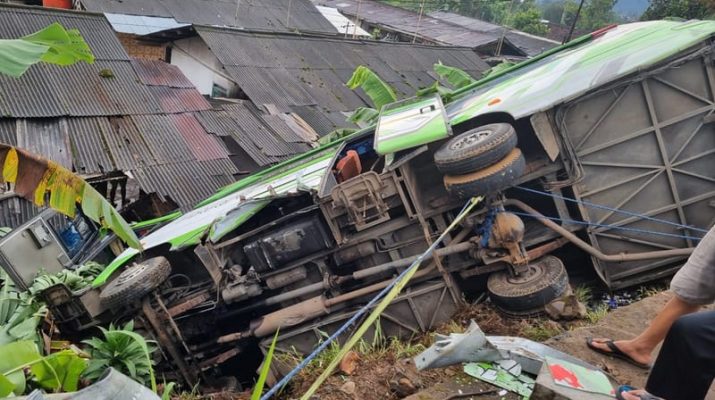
(21, 363)
(124, 350)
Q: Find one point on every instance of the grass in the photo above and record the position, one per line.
(583, 294)
(596, 314)
(540, 331)
(377, 348)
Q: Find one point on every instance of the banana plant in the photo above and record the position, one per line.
(124, 350)
(53, 44)
(35, 178)
(21, 362)
(378, 90)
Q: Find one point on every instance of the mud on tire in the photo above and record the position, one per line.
(135, 282)
(545, 281)
(475, 149)
(491, 179)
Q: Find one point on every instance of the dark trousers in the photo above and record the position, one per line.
(685, 367)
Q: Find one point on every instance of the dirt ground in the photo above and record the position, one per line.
(389, 373)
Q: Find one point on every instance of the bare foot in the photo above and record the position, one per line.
(635, 352)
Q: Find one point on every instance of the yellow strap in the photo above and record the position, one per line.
(381, 307)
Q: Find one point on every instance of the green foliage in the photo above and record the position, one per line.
(541, 330)
(596, 314)
(75, 279)
(124, 350)
(583, 294)
(498, 68)
(453, 75)
(379, 92)
(54, 45)
(21, 361)
(529, 20)
(20, 313)
(686, 9)
(265, 368)
(168, 390)
(364, 116)
(336, 135)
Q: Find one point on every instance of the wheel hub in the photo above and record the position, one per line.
(470, 139)
(532, 273)
(130, 273)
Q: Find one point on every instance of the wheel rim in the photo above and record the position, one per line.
(469, 140)
(533, 273)
(131, 273)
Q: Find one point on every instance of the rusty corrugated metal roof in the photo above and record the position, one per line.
(158, 73)
(140, 118)
(201, 145)
(178, 100)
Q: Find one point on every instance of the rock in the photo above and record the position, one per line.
(566, 307)
(405, 380)
(348, 388)
(349, 363)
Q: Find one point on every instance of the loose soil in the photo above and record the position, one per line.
(378, 376)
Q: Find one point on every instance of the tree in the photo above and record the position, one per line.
(529, 20)
(687, 9)
(597, 14)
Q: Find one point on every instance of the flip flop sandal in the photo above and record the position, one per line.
(642, 396)
(615, 352)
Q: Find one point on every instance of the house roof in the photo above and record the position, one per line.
(442, 28)
(528, 43)
(142, 117)
(141, 24)
(341, 23)
(290, 71)
(267, 15)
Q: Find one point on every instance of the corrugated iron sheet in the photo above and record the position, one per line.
(288, 70)
(178, 100)
(203, 146)
(159, 73)
(133, 7)
(161, 138)
(20, 21)
(90, 151)
(257, 131)
(30, 96)
(15, 211)
(186, 183)
(322, 122)
(47, 137)
(268, 15)
(7, 132)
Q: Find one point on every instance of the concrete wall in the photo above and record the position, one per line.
(198, 63)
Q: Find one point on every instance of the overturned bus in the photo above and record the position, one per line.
(605, 144)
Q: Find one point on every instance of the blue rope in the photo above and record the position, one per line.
(485, 229)
(610, 226)
(351, 321)
(602, 207)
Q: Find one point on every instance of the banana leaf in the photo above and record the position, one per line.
(364, 116)
(453, 75)
(54, 45)
(379, 92)
(35, 177)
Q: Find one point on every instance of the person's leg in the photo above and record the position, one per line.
(641, 347)
(685, 366)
